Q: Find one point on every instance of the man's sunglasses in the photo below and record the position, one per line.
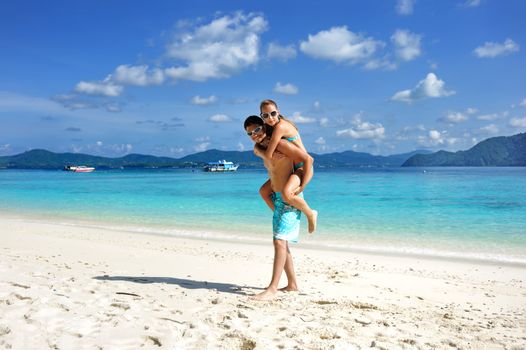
(255, 131)
(268, 115)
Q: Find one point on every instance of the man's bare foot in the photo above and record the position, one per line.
(312, 221)
(268, 294)
(289, 289)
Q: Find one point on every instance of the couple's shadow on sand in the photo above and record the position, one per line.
(183, 283)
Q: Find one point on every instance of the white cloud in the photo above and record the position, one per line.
(100, 88)
(471, 110)
(73, 102)
(492, 116)
(491, 49)
(299, 119)
(100, 148)
(419, 127)
(217, 50)
(518, 122)
(203, 101)
(405, 133)
(220, 118)
(202, 147)
(175, 150)
(363, 130)
(283, 53)
(317, 105)
(407, 44)
(325, 148)
(287, 89)
(320, 141)
(405, 7)
(434, 138)
(523, 103)
(240, 101)
(452, 140)
(113, 108)
(435, 135)
(138, 75)
(489, 129)
(202, 139)
(456, 117)
(431, 86)
(472, 3)
(240, 147)
(340, 45)
(380, 63)
(324, 122)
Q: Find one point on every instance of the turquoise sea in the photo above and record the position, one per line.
(474, 213)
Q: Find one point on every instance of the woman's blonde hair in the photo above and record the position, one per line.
(268, 102)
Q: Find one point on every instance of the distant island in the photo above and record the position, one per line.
(497, 151)
(43, 159)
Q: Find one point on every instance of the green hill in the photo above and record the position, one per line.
(42, 159)
(495, 151)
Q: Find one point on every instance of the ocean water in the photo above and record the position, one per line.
(477, 213)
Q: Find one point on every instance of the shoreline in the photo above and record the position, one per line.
(92, 287)
(307, 241)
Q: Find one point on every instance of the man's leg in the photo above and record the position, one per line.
(292, 284)
(280, 258)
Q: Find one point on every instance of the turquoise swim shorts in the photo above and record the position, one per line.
(286, 219)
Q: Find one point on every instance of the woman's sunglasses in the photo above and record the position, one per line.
(268, 115)
(255, 131)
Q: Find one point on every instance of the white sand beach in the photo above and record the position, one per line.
(76, 287)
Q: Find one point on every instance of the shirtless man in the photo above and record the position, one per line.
(286, 219)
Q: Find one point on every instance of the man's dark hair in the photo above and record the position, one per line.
(253, 120)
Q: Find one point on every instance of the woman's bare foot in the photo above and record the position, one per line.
(313, 218)
(267, 294)
(289, 289)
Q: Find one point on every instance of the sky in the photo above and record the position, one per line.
(171, 78)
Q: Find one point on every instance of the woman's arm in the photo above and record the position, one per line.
(277, 134)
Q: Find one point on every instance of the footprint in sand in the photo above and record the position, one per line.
(4, 330)
(14, 284)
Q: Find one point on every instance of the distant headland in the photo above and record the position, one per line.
(495, 151)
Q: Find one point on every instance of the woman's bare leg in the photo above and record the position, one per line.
(265, 192)
(297, 202)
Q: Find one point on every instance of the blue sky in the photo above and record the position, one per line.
(172, 77)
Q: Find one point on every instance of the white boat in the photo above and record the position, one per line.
(221, 166)
(79, 168)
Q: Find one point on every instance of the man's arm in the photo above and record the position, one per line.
(259, 151)
(295, 153)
